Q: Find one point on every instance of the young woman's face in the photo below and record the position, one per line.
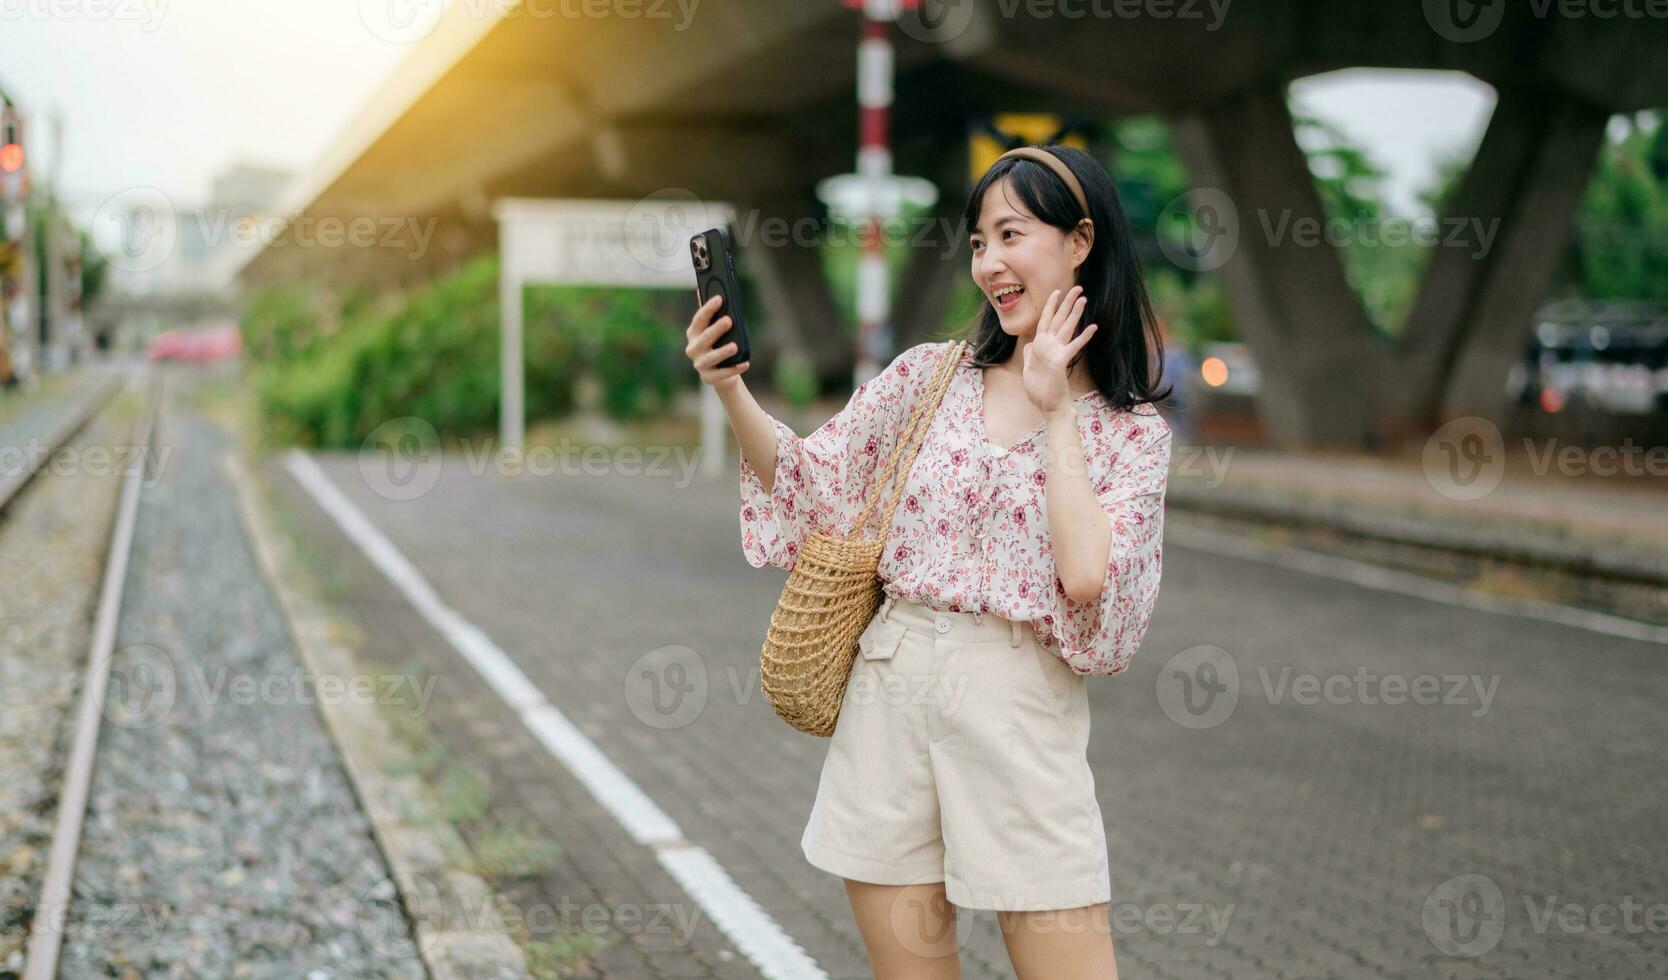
(1011, 247)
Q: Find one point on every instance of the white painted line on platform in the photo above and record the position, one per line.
(754, 932)
(1369, 576)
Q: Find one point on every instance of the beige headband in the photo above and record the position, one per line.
(1053, 163)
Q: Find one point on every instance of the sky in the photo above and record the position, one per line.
(169, 93)
(1407, 120)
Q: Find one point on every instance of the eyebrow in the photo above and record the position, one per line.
(1008, 220)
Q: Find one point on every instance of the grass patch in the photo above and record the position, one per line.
(465, 793)
(560, 956)
(516, 851)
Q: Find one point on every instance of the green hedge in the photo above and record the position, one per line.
(328, 370)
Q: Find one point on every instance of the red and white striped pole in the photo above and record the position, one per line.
(874, 167)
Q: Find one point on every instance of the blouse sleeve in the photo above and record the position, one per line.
(1100, 638)
(822, 480)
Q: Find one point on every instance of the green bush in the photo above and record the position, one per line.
(435, 356)
(282, 322)
(328, 376)
(635, 357)
(795, 379)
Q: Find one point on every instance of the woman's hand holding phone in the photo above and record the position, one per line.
(755, 432)
(703, 332)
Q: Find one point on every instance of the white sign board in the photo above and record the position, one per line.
(583, 242)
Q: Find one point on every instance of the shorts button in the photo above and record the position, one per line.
(942, 626)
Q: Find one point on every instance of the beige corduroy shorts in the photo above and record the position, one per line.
(961, 756)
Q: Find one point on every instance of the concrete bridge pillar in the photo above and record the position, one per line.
(779, 252)
(1314, 346)
(1500, 237)
(1547, 176)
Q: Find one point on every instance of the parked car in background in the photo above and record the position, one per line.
(196, 345)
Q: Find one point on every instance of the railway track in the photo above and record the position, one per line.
(48, 922)
(170, 801)
(56, 437)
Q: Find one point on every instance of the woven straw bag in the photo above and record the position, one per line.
(834, 590)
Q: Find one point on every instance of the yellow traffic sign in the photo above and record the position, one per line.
(1032, 127)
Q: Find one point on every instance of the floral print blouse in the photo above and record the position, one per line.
(971, 533)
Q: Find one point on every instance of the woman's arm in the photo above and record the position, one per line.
(1077, 524)
(754, 431)
(751, 424)
(792, 485)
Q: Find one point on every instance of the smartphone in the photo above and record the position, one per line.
(715, 273)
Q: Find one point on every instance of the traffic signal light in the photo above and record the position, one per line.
(11, 141)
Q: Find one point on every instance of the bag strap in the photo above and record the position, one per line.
(920, 419)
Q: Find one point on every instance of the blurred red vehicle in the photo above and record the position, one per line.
(199, 345)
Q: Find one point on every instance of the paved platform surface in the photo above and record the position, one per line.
(1353, 784)
(1589, 509)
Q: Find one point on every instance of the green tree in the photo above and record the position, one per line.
(1620, 241)
(1350, 185)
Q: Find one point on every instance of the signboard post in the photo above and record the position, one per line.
(583, 242)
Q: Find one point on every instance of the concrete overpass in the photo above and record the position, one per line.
(751, 101)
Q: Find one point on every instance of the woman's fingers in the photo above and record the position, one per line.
(1046, 323)
(712, 357)
(703, 332)
(1082, 339)
(703, 316)
(715, 331)
(1064, 311)
(1073, 311)
(704, 340)
(717, 376)
(1061, 313)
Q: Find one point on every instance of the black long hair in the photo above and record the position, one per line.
(1126, 354)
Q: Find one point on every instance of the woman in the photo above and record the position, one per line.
(1024, 557)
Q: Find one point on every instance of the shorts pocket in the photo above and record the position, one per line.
(1057, 680)
(880, 640)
